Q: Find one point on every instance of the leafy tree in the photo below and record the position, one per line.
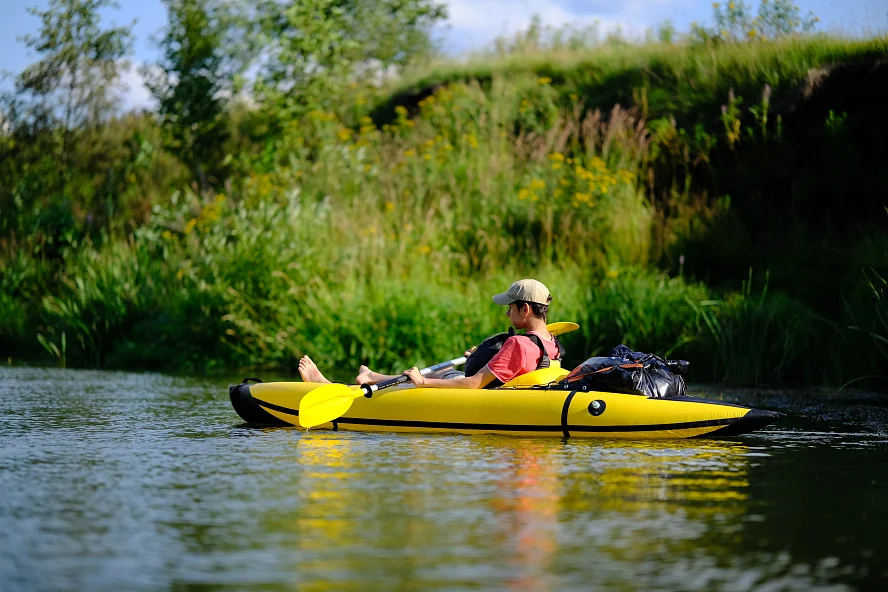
(311, 50)
(48, 158)
(71, 84)
(191, 84)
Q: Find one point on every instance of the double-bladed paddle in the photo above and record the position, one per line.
(331, 401)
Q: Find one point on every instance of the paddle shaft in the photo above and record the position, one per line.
(369, 389)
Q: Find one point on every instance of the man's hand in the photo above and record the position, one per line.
(415, 377)
(470, 351)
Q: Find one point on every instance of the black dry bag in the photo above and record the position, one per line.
(631, 372)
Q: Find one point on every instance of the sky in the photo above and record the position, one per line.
(472, 25)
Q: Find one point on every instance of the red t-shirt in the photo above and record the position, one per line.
(519, 355)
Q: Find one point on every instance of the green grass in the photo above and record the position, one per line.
(680, 80)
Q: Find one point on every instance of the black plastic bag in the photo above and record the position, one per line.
(631, 372)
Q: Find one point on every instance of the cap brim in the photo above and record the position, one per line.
(503, 299)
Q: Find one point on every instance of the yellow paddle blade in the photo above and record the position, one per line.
(559, 328)
(326, 403)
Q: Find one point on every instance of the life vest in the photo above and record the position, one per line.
(493, 344)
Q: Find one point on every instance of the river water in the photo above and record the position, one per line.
(118, 481)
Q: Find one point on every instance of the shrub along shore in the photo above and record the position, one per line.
(722, 204)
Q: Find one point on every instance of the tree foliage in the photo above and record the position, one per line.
(80, 62)
(52, 122)
(775, 18)
(190, 82)
(313, 49)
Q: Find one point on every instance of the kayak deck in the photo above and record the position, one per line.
(509, 411)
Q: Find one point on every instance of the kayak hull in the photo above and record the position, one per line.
(505, 411)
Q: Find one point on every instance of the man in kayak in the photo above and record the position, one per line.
(528, 305)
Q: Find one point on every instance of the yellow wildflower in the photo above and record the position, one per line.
(752, 33)
(544, 80)
(366, 120)
(409, 153)
(524, 193)
(166, 234)
(424, 249)
(401, 110)
(537, 184)
(556, 166)
(427, 156)
(344, 134)
(389, 206)
(557, 193)
(557, 157)
(189, 226)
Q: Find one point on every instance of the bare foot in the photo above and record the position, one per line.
(309, 371)
(365, 375)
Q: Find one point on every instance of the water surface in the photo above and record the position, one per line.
(117, 481)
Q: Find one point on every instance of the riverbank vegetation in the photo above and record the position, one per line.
(712, 196)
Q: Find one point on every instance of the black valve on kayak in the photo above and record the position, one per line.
(597, 407)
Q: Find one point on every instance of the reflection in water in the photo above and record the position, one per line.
(519, 504)
(144, 482)
(325, 522)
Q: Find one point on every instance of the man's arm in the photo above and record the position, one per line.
(477, 381)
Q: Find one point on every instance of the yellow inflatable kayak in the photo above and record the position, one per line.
(516, 408)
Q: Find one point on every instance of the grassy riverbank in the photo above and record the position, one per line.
(692, 201)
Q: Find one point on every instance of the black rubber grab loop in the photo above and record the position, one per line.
(247, 380)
